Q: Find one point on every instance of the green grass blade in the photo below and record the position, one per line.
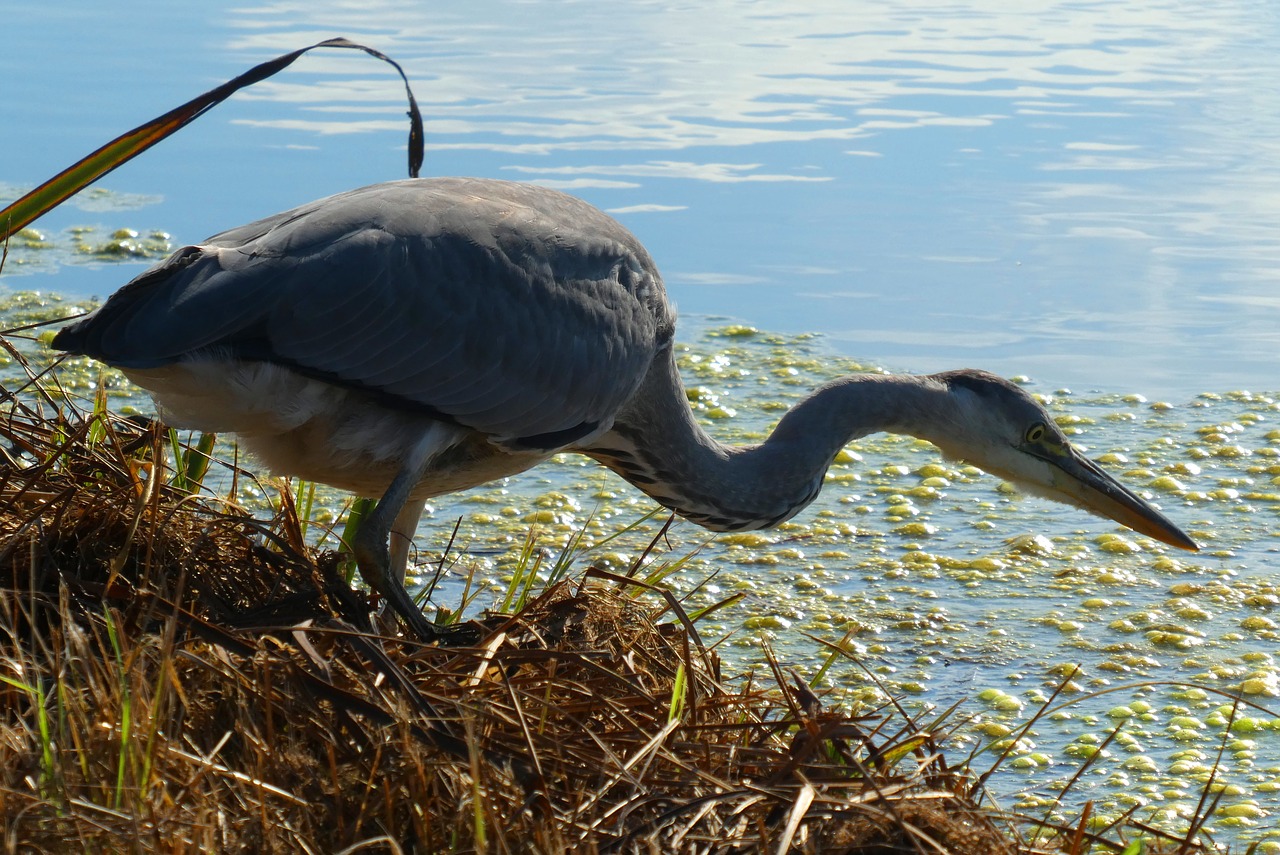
(360, 508)
(679, 694)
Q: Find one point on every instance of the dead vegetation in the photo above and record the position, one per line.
(179, 676)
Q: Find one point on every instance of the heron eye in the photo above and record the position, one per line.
(1036, 432)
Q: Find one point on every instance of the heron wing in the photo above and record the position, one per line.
(514, 310)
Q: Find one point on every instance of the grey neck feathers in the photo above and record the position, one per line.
(658, 446)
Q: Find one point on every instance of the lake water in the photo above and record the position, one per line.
(1086, 194)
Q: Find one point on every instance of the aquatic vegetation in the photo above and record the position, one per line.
(86, 244)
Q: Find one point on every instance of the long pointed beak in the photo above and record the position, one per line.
(1094, 490)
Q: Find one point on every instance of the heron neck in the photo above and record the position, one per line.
(657, 445)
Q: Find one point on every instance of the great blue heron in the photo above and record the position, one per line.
(425, 336)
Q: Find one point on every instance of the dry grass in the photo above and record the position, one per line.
(176, 676)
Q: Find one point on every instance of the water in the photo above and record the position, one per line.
(1082, 193)
(1076, 192)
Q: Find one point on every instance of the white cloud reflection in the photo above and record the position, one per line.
(539, 77)
(646, 209)
(720, 173)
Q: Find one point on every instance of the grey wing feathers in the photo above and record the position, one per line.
(517, 311)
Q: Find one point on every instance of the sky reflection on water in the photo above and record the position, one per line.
(1084, 193)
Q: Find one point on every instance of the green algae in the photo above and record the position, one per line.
(37, 249)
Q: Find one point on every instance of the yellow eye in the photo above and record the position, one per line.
(1036, 432)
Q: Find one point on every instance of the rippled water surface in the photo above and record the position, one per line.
(1082, 194)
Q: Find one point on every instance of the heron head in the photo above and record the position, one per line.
(1001, 429)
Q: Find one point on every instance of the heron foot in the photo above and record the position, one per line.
(374, 560)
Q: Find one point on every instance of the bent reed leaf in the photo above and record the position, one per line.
(127, 146)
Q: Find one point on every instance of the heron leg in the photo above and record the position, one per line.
(372, 547)
(402, 530)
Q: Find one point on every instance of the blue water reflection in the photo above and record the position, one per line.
(1084, 193)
